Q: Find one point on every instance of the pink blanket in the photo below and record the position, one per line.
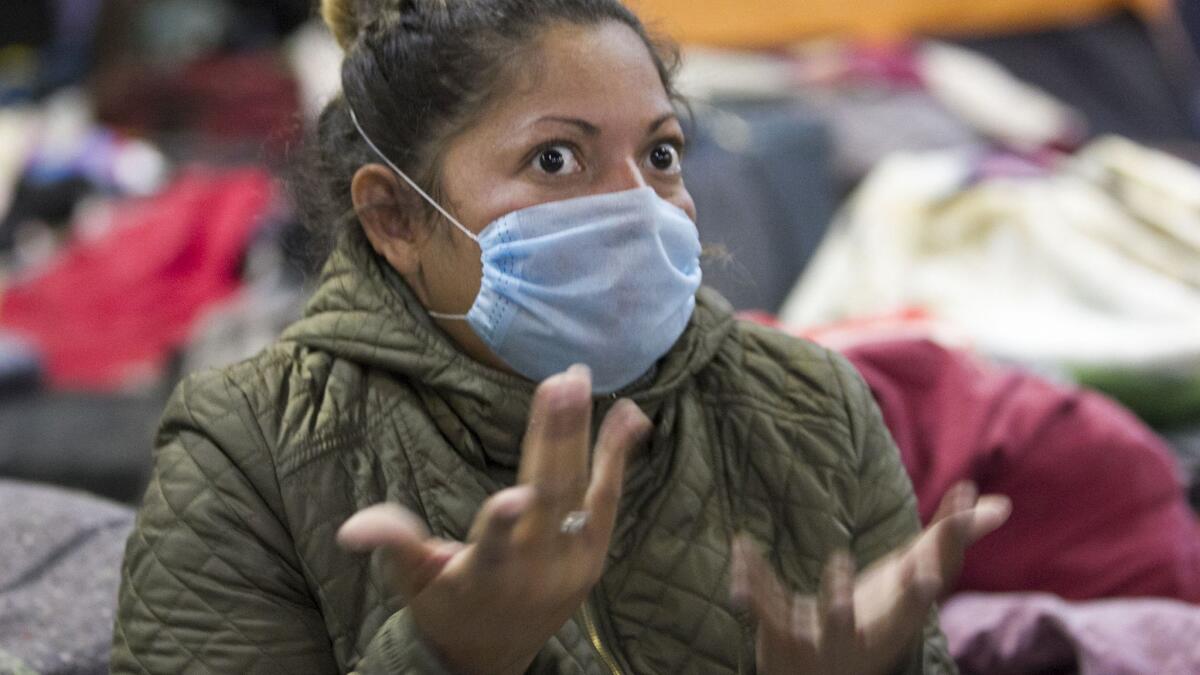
(1036, 633)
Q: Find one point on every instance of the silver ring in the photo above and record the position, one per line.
(575, 522)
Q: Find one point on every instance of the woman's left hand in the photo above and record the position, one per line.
(862, 626)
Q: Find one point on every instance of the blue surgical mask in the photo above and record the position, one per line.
(605, 280)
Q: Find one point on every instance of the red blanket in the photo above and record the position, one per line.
(108, 313)
(1098, 508)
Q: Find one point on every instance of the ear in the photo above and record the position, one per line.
(391, 217)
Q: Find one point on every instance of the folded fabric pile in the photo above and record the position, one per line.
(1089, 263)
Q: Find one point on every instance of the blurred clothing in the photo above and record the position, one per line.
(1111, 71)
(56, 39)
(767, 23)
(250, 98)
(108, 314)
(18, 132)
(57, 160)
(244, 325)
(878, 100)
(765, 193)
(870, 123)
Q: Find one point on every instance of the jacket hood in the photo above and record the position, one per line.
(364, 312)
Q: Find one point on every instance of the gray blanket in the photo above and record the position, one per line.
(59, 571)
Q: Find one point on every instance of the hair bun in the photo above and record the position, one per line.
(342, 18)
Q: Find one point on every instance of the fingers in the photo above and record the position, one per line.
(959, 498)
(892, 602)
(968, 516)
(755, 587)
(991, 511)
(417, 558)
(554, 460)
(739, 573)
(924, 576)
(788, 628)
(624, 428)
(962, 519)
(384, 525)
(492, 531)
(443, 551)
(835, 609)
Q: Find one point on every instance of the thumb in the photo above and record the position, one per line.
(416, 558)
(991, 511)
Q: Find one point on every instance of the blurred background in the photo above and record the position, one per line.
(1017, 173)
(1016, 179)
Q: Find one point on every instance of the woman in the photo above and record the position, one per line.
(513, 170)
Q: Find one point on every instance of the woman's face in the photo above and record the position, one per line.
(587, 114)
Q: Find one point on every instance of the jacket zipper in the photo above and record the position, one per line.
(594, 635)
(605, 656)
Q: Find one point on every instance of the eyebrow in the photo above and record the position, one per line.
(592, 130)
(654, 126)
(586, 127)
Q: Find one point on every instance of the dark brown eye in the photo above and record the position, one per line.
(552, 160)
(557, 159)
(664, 157)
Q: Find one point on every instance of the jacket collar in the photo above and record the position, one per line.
(364, 312)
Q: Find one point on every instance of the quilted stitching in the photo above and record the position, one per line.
(233, 568)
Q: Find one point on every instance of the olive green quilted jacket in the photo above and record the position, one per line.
(233, 566)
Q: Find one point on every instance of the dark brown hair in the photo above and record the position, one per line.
(418, 71)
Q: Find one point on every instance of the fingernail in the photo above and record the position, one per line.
(999, 506)
(514, 502)
(739, 589)
(568, 390)
(1004, 505)
(580, 370)
(642, 424)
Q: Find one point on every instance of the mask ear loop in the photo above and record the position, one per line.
(404, 176)
(413, 185)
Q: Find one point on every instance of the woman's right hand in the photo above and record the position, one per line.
(490, 605)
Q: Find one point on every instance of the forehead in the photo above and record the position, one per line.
(601, 73)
